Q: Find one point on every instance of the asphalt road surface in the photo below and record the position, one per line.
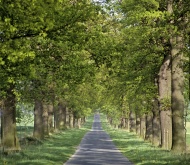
(97, 148)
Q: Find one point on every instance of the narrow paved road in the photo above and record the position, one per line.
(97, 148)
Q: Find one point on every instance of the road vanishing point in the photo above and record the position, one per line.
(97, 148)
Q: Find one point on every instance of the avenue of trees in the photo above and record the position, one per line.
(67, 58)
(46, 61)
(149, 83)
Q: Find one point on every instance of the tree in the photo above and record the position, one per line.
(16, 55)
(158, 24)
(177, 41)
(31, 30)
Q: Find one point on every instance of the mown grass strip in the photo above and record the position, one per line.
(140, 152)
(55, 150)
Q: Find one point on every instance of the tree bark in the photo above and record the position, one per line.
(67, 117)
(178, 102)
(177, 77)
(165, 102)
(10, 140)
(55, 112)
(78, 123)
(71, 119)
(142, 126)
(50, 118)
(127, 123)
(45, 119)
(149, 127)
(123, 123)
(132, 122)
(38, 120)
(83, 119)
(60, 116)
(166, 129)
(138, 125)
(1, 118)
(74, 122)
(156, 127)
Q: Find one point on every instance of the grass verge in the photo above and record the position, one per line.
(55, 150)
(140, 152)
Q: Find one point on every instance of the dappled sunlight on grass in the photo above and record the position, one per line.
(54, 151)
(140, 152)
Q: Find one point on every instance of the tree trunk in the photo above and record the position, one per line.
(67, 117)
(132, 122)
(71, 119)
(61, 112)
(156, 127)
(10, 140)
(177, 77)
(74, 122)
(178, 102)
(83, 119)
(123, 123)
(166, 127)
(50, 118)
(38, 120)
(127, 123)
(60, 116)
(1, 118)
(110, 120)
(55, 112)
(165, 102)
(45, 119)
(138, 125)
(149, 127)
(142, 126)
(79, 123)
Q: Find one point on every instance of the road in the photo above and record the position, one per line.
(97, 148)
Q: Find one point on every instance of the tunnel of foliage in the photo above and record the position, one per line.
(62, 59)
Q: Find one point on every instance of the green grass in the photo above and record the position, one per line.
(23, 131)
(60, 146)
(54, 151)
(140, 152)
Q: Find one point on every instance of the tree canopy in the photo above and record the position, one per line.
(96, 55)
